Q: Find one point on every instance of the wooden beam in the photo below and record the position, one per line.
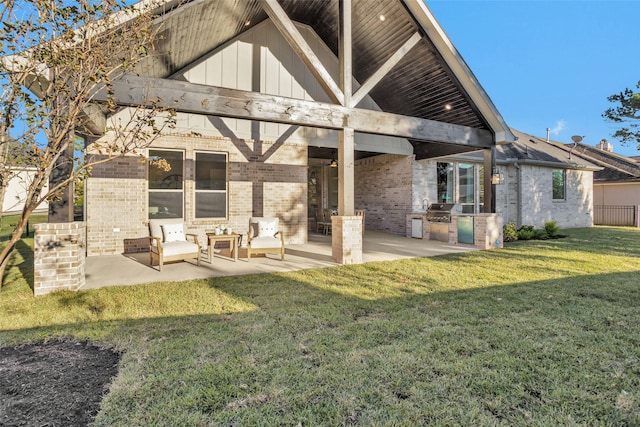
(216, 101)
(372, 81)
(297, 42)
(346, 51)
(93, 120)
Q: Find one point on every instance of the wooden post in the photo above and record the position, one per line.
(346, 53)
(61, 209)
(346, 173)
(346, 141)
(489, 187)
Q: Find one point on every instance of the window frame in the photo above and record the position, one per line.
(197, 191)
(166, 190)
(564, 185)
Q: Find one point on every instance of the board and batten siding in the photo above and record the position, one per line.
(261, 60)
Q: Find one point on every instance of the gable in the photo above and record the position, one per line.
(261, 60)
(430, 82)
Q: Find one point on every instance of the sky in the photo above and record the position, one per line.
(549, 64)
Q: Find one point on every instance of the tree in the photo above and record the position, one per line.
(54, 56)
(627, 113)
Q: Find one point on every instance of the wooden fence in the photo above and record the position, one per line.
(616, 215)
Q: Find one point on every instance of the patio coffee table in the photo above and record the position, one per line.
(233, 239)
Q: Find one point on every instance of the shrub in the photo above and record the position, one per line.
(551, 227)
(510, 232)
(528, 228)
(526, 234)
(540, 235)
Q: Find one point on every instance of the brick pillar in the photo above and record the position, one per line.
(346, 239)
(59, 257)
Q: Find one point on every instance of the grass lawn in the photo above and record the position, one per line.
(539, 333)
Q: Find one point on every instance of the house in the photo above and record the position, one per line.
(268, 94)
(228, 166)
(616, 187)
(16, 190)
(18, 176)
(539, 181)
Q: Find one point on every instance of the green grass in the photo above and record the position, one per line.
(8, 223)
(541, 333)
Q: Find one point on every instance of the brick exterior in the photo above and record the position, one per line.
(526, 197)
(264, 179)
(346, 241)
(383, 187)
(59, 255)
(487, 231)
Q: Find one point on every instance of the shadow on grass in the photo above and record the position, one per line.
(528, 353)
(370, 343)
(21, 267)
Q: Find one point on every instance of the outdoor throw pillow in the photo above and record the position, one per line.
(173, 232)
(266, 228)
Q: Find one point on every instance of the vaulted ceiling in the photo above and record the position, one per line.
(421, 85)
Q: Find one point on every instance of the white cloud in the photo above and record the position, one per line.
(559, 127)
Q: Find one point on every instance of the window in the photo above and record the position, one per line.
(211, 185)
(559, 178)
(332, 176)
(166, 187)
(480, 188)
(445, 182)
(466, 187)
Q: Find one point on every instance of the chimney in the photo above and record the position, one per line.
(605, 145)
(548, 131)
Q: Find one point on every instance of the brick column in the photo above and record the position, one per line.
(59, 257)
(346, 239)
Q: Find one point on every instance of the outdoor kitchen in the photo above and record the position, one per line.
(445, 222)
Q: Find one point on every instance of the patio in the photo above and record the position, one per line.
(133, 269)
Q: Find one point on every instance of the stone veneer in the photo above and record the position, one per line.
(59, 257)
(265, 179)
(346, 239)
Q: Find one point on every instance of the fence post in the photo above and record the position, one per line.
(637, 216)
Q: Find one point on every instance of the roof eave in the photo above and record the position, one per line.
(426, 20)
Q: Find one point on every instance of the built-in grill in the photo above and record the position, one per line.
(441, 212)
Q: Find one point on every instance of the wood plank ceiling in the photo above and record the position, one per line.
(421, 85)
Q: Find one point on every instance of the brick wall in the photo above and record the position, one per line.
(265, 179)
(526, 197)
(115, 198)
(383, 187)
(59, 257)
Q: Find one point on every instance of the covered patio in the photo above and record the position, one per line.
(133, 269)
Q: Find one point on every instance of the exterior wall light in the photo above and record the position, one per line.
(497, 177)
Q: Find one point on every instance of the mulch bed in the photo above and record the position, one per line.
(58, 383)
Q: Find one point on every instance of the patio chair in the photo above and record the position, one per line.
(264, 237)
(361, 213)
(328, 213)
(169, 242)
(321, 222)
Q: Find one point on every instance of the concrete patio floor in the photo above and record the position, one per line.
(133, 269)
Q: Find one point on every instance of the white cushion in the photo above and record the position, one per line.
(179, 248)
(155, 225)
(173, 232)
(265, 242)
(266, 228)
(253, 224)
